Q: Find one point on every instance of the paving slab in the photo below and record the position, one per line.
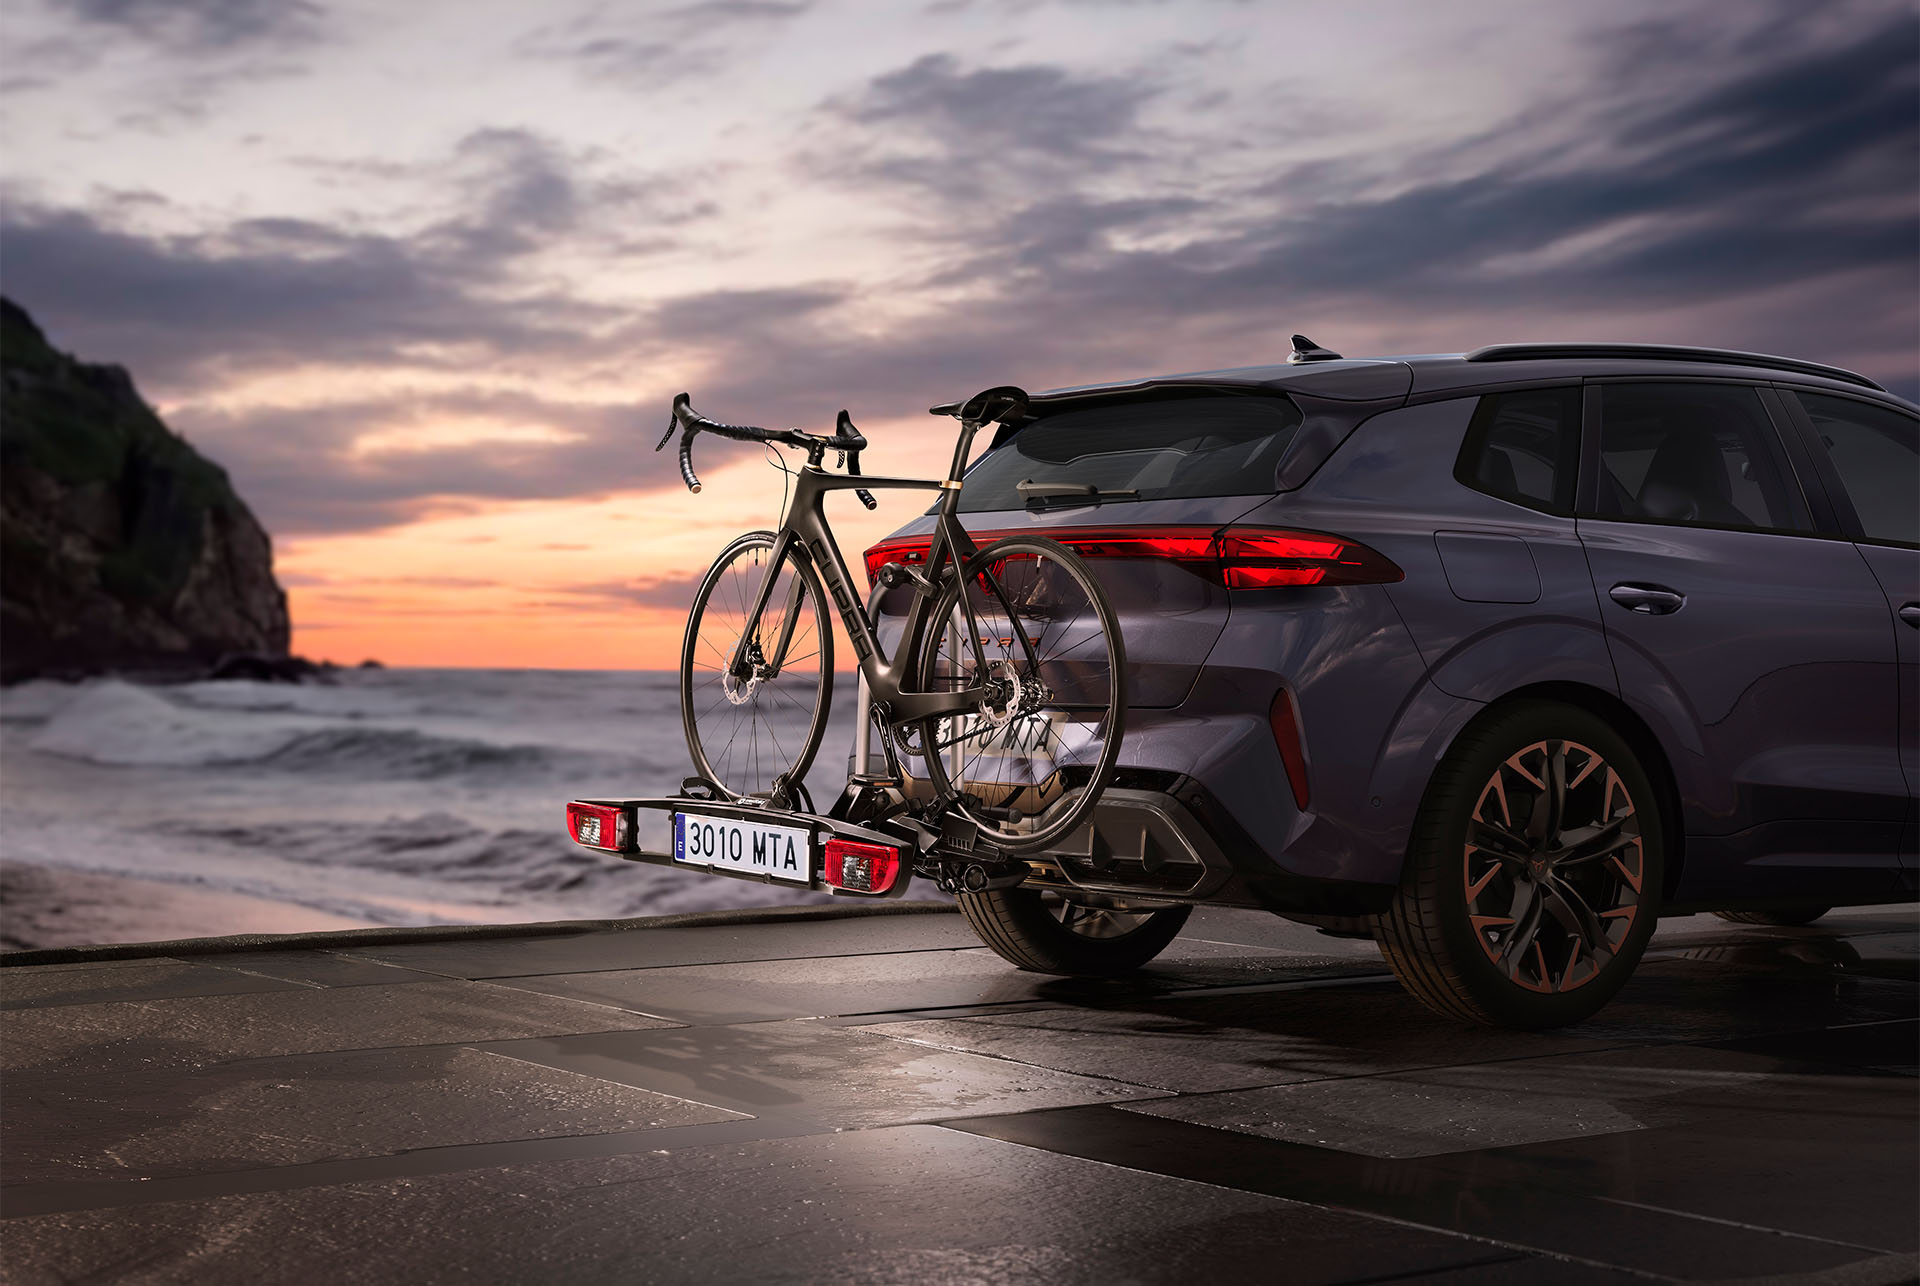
(135, 1035)
(588, 952)
(296, 1110)
(160, 980)
(832, 1077)
(892, 982)
(321, 968)
(1200, 1042)
(1441, 1110)
(915, 1204)
(1534, 1218)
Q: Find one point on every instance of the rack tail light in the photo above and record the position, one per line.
(1236, 557)
(860, 868)
(598, 826)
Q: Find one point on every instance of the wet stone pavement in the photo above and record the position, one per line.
(878, 1099)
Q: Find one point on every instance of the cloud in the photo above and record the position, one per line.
(978, 134)
(1790, 161)
(673, 592)
(302, 470)
(653, 49)
(172, 59)
(186, 310)
(203, 26)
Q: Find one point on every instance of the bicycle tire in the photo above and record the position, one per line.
(1082, 677)
(702, 670)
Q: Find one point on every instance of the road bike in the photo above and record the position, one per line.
(1002, 706)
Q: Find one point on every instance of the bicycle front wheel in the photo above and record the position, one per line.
(1027, 765)
(755, 713)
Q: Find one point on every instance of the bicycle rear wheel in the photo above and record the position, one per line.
(1027, 766)
(747, 728)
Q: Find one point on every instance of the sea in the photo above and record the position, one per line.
(394, 797)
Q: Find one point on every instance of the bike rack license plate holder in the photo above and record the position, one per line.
(650, 834)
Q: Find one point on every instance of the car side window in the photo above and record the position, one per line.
(1876, 452)
(1697, 454)
(1524, 447)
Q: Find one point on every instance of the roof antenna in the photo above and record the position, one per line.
(1305, 350)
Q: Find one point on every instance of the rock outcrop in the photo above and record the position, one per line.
(121, 547)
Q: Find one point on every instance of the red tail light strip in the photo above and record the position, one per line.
(1237, 557)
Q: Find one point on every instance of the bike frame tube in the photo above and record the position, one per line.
(806, 530)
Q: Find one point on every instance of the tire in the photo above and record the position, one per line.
(717, 710)
(1457, 933)
(1779, 919)
(1006, 769)
(1045, 933)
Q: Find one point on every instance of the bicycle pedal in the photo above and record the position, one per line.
(893, 575)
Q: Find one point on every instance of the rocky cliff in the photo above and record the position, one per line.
(121, 547)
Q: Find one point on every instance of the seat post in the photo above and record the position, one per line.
(950, 494)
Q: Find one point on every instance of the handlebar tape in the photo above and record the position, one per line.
(687, 474)
(853, 468)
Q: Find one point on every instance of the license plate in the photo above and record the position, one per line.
(748, 848)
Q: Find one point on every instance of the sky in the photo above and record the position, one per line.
(426, 277)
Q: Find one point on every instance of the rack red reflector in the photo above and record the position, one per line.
(861, 868)
(1237, 557)
(597, 826)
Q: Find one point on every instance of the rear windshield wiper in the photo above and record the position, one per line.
(1038, 494)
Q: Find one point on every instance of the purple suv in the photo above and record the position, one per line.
(1496, 657)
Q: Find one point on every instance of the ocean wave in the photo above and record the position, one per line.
(121, 725)
(401, 753)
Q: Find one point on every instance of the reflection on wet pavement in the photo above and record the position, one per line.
(880, 1100)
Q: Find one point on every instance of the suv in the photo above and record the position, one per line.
(1495, 657)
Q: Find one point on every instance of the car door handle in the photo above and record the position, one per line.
(1650, 600)
(1911, 615)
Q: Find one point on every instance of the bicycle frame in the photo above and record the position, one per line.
(806, 528)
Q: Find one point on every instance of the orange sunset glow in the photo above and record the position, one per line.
(552, 584)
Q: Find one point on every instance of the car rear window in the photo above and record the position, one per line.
(1165, 449)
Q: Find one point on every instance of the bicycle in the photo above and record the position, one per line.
(1008, 685)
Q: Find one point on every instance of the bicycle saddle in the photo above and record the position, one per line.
(1005, 402)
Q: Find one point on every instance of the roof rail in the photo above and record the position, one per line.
(1666, 353)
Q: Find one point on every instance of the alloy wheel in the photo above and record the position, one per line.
(1554, 866)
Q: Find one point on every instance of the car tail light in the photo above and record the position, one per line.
(1237, 557)
(597, 826)
(1285, 718)
(913, 549)
(861, 868)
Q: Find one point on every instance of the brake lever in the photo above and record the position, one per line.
(674, 421)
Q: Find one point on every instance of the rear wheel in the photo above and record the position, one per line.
(1045, 932)
(749, 724)
(1054, 703)
(1533, 875)
(1781, 919)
